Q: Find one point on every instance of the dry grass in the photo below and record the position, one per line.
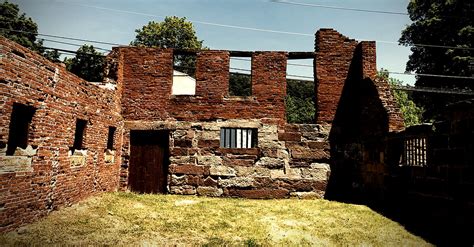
(131, 219)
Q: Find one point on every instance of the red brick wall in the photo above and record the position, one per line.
(59, 98)
(147, 81)
(334, 55)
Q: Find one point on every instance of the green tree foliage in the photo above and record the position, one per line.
(412, 114)
(173, 32)
(18, 28)
(52, 55)
(446, 23)
(87, 64)
(23, 30)
(240, 84)
(300, 99)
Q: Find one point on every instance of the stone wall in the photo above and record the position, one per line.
(290, 161)
(46, 174)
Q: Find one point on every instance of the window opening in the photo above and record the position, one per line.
(110, 138)
(300, 91)
(79, 134)
(240, 76)
(238, 138)
(184, 74)
(19, 126)
(415, 152)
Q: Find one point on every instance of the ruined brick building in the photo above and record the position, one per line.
(63, 139)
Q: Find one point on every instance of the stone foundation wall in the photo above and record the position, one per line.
(46, 174)
(288, 161)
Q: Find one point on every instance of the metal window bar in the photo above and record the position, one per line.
(238, 138)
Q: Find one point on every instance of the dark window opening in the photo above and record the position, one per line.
(238, 138)
(300, 91)
(240, 76)
(19, 125)
(110, 138)
(79, 134)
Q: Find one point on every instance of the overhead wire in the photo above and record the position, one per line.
(339, 8)
(303, 65)
(390, 72)
(260, 29)
(402, 88)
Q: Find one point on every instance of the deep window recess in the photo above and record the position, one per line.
(110, 138)
(240, 76)
(300, 91)
(79, 134)
(238, 138)
(184, 74)
(19, 124)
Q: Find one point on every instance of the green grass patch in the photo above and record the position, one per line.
(132, 219)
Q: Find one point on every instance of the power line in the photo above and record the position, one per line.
(355, 9)
(340, 8)
(73, 52)
(432, 75)
(72, 44)
(433, 90)
(61, 37)
(259, 29)
(401, 88)
(390, 72)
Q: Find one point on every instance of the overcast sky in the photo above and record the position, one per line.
(115, 21)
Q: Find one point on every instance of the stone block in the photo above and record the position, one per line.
(317, 171)
(272, 163)
(209, 191)
(183, 190)
(11, 164)
(240, 182)
(259, 193)
(189, 169)
(220, 170)
(289, 136)
(209, 160)
(306, 195)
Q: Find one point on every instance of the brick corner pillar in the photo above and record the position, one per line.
(212, 74)
(333, 58)
(369, 59)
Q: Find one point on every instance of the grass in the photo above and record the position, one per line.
(132, 219)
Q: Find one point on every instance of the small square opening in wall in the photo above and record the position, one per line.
(79, 134)
(110, 138)
(184, 74)
(19, 127)
(240, 76)
(238, 138)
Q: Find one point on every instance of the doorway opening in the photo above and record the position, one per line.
(149, 161)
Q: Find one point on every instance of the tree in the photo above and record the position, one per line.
(52, 55)
(412, 114)
(18, 28)
(441, 23)
(240, 84)
(87, 64)
(173, 32)
(300, 99)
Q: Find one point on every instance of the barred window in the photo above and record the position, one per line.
(238, 138)
(415, 152)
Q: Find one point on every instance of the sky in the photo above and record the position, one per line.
(115, 21)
